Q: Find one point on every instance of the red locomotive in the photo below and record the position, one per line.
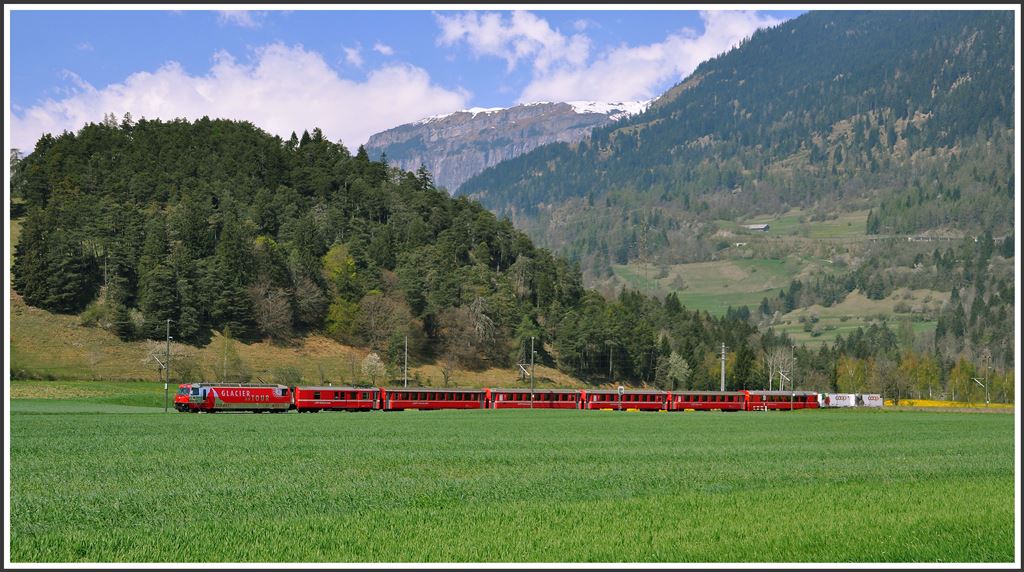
(214, 397)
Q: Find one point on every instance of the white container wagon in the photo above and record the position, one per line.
(840, 400)
(872, 400)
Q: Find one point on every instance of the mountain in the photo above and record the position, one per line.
(909, 114)
(456, 146)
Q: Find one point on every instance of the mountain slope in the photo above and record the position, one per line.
(911, 112)
(458, 145)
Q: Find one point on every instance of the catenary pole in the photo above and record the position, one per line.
(723, 367)
(532, 369)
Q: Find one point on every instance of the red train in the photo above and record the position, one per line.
(213, 397)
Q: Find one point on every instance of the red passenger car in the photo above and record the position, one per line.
(214, 397)
(643, 400)
(707, 400)
(426, 398)
(542, 399)
(336, 398)
(781, 400)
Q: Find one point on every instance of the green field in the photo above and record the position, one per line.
(715, 286)
(857, 311)
(96, 480)
(848, 225)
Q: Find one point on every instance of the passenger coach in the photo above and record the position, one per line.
(781, 400)
(537, 399)
(312, 399)
(423, 398)
(707, 400)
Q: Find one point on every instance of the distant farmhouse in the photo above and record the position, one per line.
(761, 227)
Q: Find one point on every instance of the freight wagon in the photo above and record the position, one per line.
(840, 400)
(871, 400)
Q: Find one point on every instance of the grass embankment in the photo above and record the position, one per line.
(45, 344)
(519, 486)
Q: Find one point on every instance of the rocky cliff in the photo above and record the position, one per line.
(458, 145)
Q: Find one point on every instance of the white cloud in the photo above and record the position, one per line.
(630, 73)
(84, 47)
(354, 56)
(521, 36)
(384, 49)
(281, 89)
(562, 66)
(242, 18)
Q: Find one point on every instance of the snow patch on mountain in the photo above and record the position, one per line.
(614, 110)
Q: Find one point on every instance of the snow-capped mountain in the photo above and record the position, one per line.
(455, 146)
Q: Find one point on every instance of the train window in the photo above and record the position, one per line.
(316, 395)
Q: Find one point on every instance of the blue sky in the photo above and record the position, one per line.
(350, 72)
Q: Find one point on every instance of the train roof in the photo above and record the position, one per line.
(629, 391)
(704, 392)
(336, 388)
(436, 389)
(245, 385)
(753, 392)
(527, 390)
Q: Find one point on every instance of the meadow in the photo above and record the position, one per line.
(715, 286)
(105, 476)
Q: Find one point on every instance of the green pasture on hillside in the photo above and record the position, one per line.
(847, 225)
(715, 286)
(99, 481)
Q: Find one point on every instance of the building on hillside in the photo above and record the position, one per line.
(760, 227)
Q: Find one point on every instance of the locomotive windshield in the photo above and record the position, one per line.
(183, 391)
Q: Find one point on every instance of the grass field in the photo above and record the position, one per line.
(857, 311)
(848, 225)
(96, 480)
(715, 286)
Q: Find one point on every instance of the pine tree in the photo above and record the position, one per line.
(158, 301)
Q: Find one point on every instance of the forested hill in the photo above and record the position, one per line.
(907, 112)
(216, 225)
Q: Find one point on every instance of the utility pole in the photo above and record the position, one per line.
(405, 380)
(723, 366)
(168, 351)
(532, 370)
(160, 372)
(986, 385)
